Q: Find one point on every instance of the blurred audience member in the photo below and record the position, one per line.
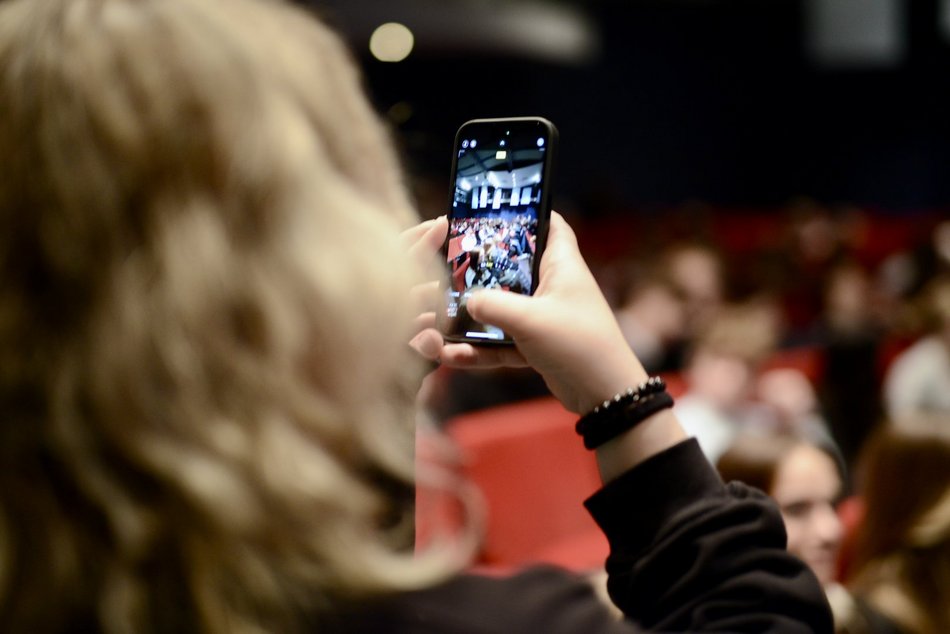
(904, 274)
(804, 477)
(813, 245)
(850, 333)
(697, 273)
(849, 303)
(793, 402)
(901, 562)
(720, 376)
(919, 378)
(652, 318)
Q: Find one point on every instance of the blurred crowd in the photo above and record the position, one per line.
(826, 320)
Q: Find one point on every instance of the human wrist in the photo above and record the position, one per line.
(655, 434)
(614, 375)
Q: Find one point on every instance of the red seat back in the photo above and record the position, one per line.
(534, 474)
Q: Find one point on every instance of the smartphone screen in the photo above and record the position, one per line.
(498, 215)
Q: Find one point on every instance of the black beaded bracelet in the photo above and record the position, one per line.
(623, 412)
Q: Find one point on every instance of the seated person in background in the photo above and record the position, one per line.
(697, 272)
(791, 397)
(721, 374)
(652, 318)
(206, 396)
(805, 480)
(850, 334)
(919, 378)
(900, 568)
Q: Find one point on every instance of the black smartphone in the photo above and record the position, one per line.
(499, 210)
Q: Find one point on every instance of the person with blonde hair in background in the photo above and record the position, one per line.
(721, 372)
(207, 410)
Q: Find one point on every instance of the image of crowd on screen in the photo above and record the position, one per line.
(492, 252)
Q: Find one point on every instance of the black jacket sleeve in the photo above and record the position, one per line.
(690, 554)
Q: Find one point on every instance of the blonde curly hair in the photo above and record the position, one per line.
(205, 387)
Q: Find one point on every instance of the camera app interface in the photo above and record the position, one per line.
(494, 219)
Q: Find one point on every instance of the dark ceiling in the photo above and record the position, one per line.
(663, 101)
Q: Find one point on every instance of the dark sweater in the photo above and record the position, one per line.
(687, 554)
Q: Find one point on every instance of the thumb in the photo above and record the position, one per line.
(506, 310)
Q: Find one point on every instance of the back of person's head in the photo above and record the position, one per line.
(729, 349)
(203, 378)
(902, 550)
(746, 331)
(754, 458)
(848, 297)
(805, 479)
(696, 271)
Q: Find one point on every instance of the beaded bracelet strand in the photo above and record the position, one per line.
(623, 412)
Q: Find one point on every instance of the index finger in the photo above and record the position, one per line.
(426, 237)
(560, 233)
